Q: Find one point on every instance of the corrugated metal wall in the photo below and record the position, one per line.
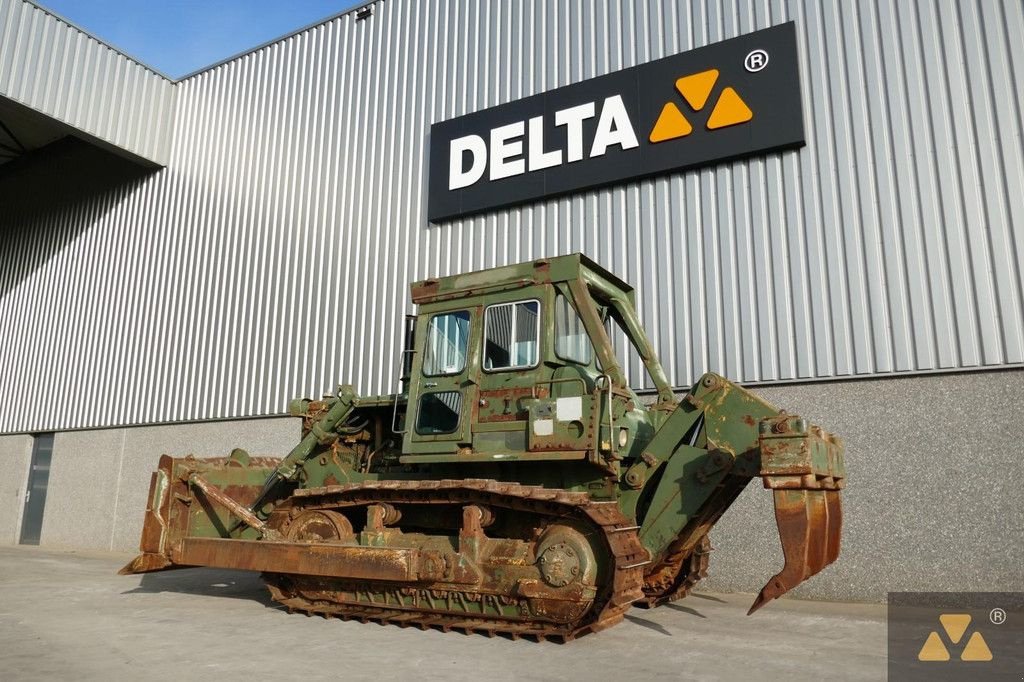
(55, 68)
(272, 257)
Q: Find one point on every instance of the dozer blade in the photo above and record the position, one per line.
(187, 499)
(804, 468)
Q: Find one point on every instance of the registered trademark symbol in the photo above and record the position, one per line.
(997, 616)
(756, 60)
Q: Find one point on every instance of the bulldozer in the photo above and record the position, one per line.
(515, 484)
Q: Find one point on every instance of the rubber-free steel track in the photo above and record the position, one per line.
(621, 587)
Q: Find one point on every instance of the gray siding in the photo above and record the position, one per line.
(55, 68)
(272, 257)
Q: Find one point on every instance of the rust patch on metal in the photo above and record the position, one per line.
(490, 584)
(225, 500)
(794, 521)
(342, 561)
(505, 404)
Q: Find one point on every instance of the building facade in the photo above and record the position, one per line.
(180, 258)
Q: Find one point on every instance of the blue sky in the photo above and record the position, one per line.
(181, 36)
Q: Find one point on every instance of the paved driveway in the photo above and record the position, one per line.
(67, 615)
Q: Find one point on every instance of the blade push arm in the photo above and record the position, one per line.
(323, 432)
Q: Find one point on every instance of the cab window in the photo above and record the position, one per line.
(511, 335)
(439, 412)
(447, 340)
(571, 340)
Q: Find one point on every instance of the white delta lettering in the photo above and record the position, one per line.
(468, 155)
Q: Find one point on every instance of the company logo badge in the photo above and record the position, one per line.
(955, 625)
(717, 103)
(729, 110)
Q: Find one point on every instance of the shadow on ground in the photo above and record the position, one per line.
(211, 582)
(649, 624)
(685, 609)
(635, 618)
(698, 595)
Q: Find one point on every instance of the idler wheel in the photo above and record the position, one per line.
(565, 556)
(320, 526)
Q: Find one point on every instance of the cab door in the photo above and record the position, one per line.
(566, 420)
(511, 367)
(443, 390)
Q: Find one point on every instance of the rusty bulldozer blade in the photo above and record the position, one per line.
(805, 470)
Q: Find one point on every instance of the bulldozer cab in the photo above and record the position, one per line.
(517, 363)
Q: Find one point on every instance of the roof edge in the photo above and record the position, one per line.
(592, 265)
(279, 39)
(512, 276)
(210, 67)
(61, 18)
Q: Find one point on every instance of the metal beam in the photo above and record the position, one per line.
(344, 561)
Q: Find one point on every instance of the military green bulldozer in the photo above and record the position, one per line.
(515, 484)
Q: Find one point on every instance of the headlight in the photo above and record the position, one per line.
(623, 437)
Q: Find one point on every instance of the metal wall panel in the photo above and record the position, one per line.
(57, 69)
(272, 257)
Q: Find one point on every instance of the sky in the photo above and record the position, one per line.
(177, 37)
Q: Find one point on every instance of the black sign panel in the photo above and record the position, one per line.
(723, 101)
(955, 636)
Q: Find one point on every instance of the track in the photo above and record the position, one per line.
(676, 575)
(493, 604)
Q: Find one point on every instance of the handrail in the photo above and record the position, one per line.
(607, 380)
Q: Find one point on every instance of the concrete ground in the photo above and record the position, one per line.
(67, 615)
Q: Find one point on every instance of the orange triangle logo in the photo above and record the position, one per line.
(955, 625)
(933, 649)
(696, 89)
(976, 649)
(729, 111)
(671, 124)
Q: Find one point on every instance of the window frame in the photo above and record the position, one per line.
(419, 413)
(554, 341)
(465, 355)
(483, 341)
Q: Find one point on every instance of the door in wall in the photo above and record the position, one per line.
(35, 495)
